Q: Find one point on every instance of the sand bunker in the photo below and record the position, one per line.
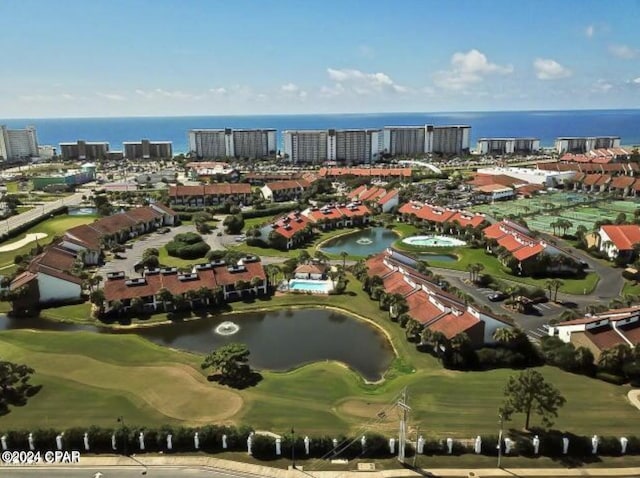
(22, 242)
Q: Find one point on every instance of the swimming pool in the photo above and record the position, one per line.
(434, 241)
(315, 286)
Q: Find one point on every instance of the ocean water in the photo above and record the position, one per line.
(546, 125)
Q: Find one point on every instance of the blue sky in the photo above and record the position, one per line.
(169, 57)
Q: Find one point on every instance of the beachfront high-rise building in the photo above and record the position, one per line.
(254, 143)
(351, 146)
(583, 144)
(421, 140)
(146, 149)
(405, 140)
(16, 144)
(448, 140)
(232, 143)
(507, 145)
(306, 146)
(83, 150)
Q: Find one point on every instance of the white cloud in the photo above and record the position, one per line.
(290, 88)
(623, 51)
(601, 86)
(364, 83)
(161, 93)
(590, 31)
(547, 69)
(38, 98)
(636, 81)
(468, 68)
(111, 96)
(218, 91)
(331, 91)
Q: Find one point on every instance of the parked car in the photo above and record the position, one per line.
(497, 297)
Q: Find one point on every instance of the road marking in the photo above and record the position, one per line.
(535, 333)
(544, 306)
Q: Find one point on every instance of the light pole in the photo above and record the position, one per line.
(293, 448)
(126, 439)
(500, 440)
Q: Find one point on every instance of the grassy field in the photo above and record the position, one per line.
(493, 267)
(53, 227)
(93, 378)
(76, 313)
(170, 261)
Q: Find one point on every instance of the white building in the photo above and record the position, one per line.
(446, 140)
(533, 176)
(405, 140)
(232, 143)
(306, 146)
(16, 144)
(583, 144)
(507, 145)
(351, 146)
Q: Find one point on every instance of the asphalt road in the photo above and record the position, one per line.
(46, 208)
(117, 472)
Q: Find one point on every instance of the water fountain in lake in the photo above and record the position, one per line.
(227, 328)
(364, 241)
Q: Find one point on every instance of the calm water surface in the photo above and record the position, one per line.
(278, 340)
(362, 243)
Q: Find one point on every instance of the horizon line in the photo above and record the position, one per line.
(320, 114)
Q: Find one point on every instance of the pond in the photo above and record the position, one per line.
(427, 256)
(278, 340)
(82, 211)
(361, 243)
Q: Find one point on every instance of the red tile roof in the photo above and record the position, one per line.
(22, 280)
(526, 252)
(622, 182)
(375, 172)
(289, 184)
(451, 325)
(117, 289)
(376, 266)
(388, 196)
(481, 179)
(290, 224)
(325, 212)
(218, 189)
(421, 308)
(623, 236)
(394, 283)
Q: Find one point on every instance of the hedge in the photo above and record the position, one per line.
(187, 246)
(263, 447)
(268, 212)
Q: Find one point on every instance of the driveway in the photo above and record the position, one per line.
(157, 240)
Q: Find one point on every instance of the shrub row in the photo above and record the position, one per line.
(267, 212)
(263, 447)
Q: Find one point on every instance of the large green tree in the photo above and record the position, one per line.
(529, 392)
(231, 362)
(15, 388)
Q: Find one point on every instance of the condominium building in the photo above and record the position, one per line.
(254, 143)
(420, 140)
(507, 145)
(146, 149)
(405, 140)
(84, 150)
(355, 146)
(229, 143)
(583, 144)
(16, 144)
(351, 146)
(306, 146)
(446, 140)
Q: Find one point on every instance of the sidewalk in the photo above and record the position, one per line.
(265, 471)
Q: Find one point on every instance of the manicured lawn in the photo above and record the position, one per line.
(493, 267)
(76, 313)
(631, 288)
(254, 222)
(91, 378)
(53, 227)
(171, 261)
(21, 209)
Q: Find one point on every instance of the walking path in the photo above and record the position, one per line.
(634, 397)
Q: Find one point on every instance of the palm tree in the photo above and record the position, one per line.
(165, 297)
(568, 314)
(397, 305)
(413, 330)
(272, 271)
(117, 306)
(554, 284)
(320, 257)
(344, 255)
(205, 295)
(137, 305)
(255, 283)
(373, 282)
(504, 335)
(470, 268)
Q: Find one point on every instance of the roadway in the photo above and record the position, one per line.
(14, 222)
(119, 472)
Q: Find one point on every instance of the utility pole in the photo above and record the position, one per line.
(402, 405)
(500, 440)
